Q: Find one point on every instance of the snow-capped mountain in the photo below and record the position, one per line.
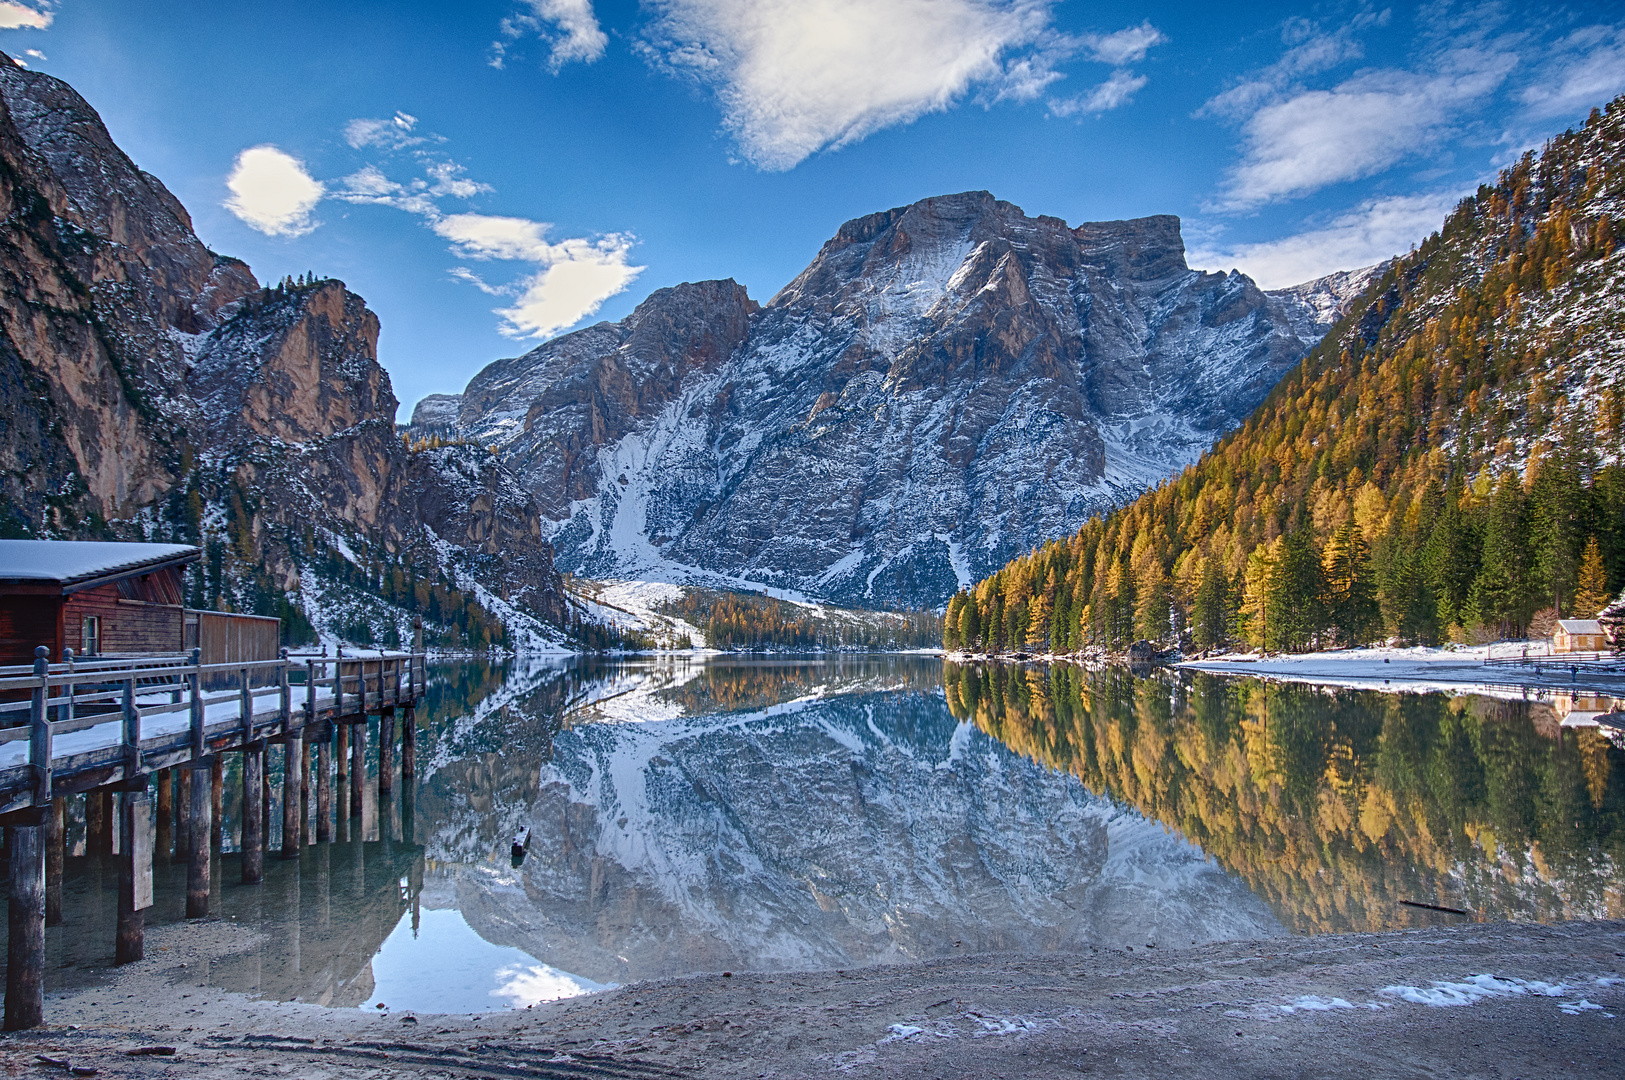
(945, 386)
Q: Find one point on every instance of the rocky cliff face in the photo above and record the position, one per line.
(946, 385)
(151, 388)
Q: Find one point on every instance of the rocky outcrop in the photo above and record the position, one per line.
(946, 385)
(151, 388)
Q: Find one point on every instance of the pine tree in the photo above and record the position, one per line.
(1351, 599)
(1210, 610)
(1592, 594)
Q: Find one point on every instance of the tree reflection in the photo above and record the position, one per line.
(1334, 805)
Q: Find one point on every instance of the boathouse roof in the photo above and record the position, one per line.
(82, 564)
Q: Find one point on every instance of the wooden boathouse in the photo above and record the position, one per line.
(127, 696)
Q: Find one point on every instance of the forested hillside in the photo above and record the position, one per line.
(1445, 465)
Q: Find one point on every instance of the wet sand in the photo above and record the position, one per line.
(1536, 1001)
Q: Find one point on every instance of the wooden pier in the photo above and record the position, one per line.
(148, 730)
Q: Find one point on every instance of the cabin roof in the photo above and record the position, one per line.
(1580, 626)
(79, 564)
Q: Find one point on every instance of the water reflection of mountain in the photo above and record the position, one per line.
(790, 815)
(1336, 804)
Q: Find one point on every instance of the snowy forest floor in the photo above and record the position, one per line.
(1490, 1000)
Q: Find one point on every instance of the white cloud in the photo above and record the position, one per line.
(1366, 235)
(797, 76)
(448, 179)
(393, 134)
(15, 16)
(579, 36)
(573, 279)
(273, 192)
(1310, 51)
(1125, 46)
(569, 26)
(1309, 139)
(1582, 71)
(1117, 90)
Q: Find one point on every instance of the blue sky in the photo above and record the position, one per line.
(488, 173)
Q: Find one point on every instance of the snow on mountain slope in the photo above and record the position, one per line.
(946, 385)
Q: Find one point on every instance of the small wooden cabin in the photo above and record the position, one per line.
(97, 598)
(1578, 636)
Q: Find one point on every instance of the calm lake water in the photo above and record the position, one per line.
(706, 815)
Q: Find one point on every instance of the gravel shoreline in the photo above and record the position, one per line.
(1534, 1001)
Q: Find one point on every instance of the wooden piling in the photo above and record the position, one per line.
(166, 813)
(341, 757)
(358, 771)
(293, 829)
(201, 832)
(265, 795)
(409, 746)
(217, 800)
(253, 846)
(134, 875)
(324, 786)
(25, 923)
(304, 790)
(56, 834)
(386, 753)
(182, 850)
(96, 837)
(25, 916)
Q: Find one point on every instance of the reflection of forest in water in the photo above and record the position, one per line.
(1336, 804)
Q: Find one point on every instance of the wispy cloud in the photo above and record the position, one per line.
(1581, 71)
(1115, 91)
(1120, 49)
(1124, 47)
(569, 27)
(273, 192)
(798, 76)
(395, 133)
(1302, 140)
(20, 16)
(1368, 234)
(573, 279)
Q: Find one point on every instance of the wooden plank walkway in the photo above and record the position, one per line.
(115, 725)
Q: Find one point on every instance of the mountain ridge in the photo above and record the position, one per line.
(1447, 464)
(945, 384)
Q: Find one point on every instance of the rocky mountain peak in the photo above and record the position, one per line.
(945, 383)
(1139, 249)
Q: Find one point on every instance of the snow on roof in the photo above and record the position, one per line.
(1580, 626)
(68, 562)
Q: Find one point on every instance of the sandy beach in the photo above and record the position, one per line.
(1489, 1000)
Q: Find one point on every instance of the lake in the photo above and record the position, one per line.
(711, 814)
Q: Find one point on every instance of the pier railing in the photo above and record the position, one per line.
(112, 724)
(79, 695)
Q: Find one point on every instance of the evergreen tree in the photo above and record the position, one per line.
(1210, 614)
(1503, 594)
(1592, 595)
(1351, 598)
(1151, 604)
(1295, 589)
